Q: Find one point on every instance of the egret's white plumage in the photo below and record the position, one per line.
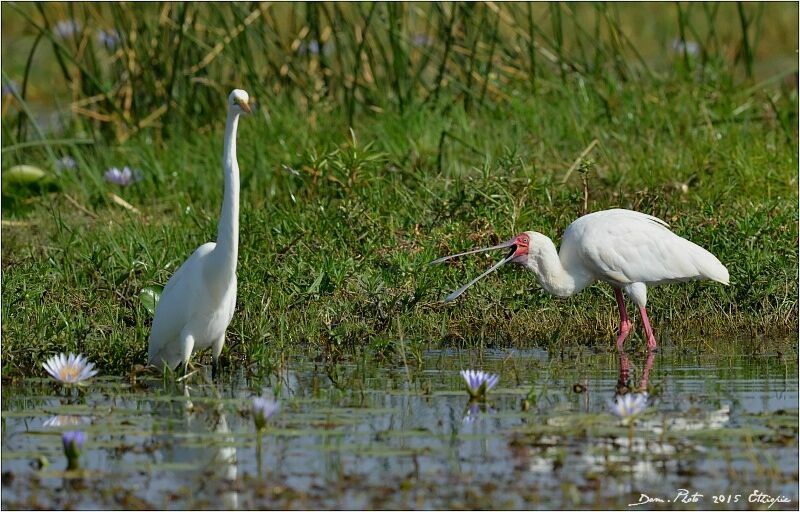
(626, 249)
(197, 303)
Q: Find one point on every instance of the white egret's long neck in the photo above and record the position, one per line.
(228, 227)
(544, 261)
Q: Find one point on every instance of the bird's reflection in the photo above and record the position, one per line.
(624, 381)
(214, 456)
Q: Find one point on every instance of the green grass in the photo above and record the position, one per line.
(335, 256)
(337, 227)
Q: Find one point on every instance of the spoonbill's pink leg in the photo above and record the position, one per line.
(651, 340)
(624, 371)
(648, 365)
(624, 322)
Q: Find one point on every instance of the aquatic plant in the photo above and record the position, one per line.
(73, 443)
(108, 38)
(479, 382)
(66, 163)
(627, 406)
(688, 47)
(123, 177)
(474, 411)
(67, 28)
(72, 369)
(65, 420)
(263, 408)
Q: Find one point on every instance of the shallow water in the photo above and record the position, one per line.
(361, 435)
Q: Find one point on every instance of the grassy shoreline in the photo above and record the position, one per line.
(337, 231)
(403, 133)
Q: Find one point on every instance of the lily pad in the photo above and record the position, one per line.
(23, 175)
(149, 297)
(26, 180)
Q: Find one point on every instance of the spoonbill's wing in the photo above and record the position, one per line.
(631, 247)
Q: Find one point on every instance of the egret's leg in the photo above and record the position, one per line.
(187, 345)
(624, 322)
(651, 339)
(216, 350)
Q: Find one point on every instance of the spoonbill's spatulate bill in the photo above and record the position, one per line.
(626, 249)
(197, 303)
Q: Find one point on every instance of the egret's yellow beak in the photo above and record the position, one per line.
(244, 106)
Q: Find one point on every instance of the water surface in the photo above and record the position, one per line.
(364, 435)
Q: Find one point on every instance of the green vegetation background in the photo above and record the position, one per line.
(385, 136)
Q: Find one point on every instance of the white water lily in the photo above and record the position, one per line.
(629, 405)
(66, 420)
(72, 369)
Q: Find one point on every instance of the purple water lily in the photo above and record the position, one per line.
(263, 408)
(690, 47)
(124, 177)
(108, 38)
(479, 382)
(66, 163)
(67, 28)
(73, 443)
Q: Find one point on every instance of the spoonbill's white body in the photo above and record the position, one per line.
(197, 303)
(626, 249)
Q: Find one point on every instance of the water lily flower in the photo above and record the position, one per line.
(626, 406)
(70, 370)
(479, 382)
(421, 40)
(263, 408)
(473, 410)
(689, 47)
(73, 442)
(123, 177)
(313, 47)
(66, 420)
(67, 28)
(66, 163)
(108, 38)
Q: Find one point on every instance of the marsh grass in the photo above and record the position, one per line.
(356, 172)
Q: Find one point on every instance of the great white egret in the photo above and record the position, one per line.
(626, 249)
(197, 303)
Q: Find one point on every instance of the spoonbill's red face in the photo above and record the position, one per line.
(518, 253)
(520, 244)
